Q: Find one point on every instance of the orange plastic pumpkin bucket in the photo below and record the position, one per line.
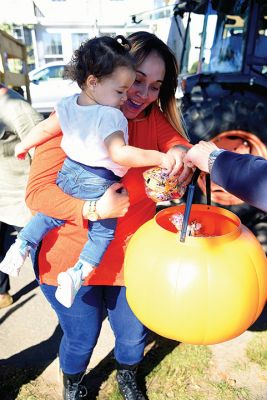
(204, 290)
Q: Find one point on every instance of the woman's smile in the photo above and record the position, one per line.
(146, 87)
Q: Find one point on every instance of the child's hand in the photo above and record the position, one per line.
(167, 162)
(20, 152)
(183, 171)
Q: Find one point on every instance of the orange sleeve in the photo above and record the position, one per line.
(166, 134)
(42, 194)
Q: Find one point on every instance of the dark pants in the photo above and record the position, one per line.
(8, 235)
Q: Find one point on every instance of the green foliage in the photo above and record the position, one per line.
(6, 28)
(257, 349)
(224, 390)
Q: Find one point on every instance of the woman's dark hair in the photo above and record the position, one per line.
(99, 57)
(142, 44)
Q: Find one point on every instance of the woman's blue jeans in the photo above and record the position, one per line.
(81, 324)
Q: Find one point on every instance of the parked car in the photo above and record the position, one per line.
(47, 86)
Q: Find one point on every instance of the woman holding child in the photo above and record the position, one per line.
(153, 124)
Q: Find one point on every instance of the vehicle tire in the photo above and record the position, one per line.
(243, 112)
(240, 111)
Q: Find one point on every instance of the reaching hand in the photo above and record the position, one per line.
(198, 155)
(185, 172)
(167, 162)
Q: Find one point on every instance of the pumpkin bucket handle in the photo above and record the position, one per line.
(189, 200)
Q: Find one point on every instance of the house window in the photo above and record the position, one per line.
(52, 44)
(111, 34)
(77, 39)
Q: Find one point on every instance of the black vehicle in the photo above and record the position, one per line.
(224, 86)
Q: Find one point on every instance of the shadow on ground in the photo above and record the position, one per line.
(27, 365)
(26, 289)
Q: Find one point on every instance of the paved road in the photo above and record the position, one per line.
(30, 334)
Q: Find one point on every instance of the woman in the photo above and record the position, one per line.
(149, 128)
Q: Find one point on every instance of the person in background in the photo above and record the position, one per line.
(154, 123)
(17, 118)
(243, 175)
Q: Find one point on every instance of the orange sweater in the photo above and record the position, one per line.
(61, 247)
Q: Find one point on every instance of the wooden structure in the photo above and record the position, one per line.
(11, 48)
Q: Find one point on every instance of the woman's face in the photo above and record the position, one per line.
(146, 87)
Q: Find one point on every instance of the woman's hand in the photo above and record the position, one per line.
(112, 204)
(185, 172)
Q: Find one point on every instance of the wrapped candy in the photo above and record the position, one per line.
(160, 187)
(193, 228)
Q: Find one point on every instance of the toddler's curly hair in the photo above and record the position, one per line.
(99, 57)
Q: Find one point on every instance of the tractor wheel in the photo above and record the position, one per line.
(239, 112)
(237, 123)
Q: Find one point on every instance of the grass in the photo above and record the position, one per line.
(178, 372)
(227, 391)
(241, 365)
(257, 349)
(174, 370)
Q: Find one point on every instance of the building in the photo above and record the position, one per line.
(53, 29)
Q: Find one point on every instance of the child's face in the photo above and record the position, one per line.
(112, 91)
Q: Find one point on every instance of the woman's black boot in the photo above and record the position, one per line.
(73, 389)
(126, 378)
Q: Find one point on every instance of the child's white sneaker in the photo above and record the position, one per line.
(69, 283)
(15, 258)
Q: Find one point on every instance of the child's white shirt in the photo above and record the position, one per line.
(84, 130)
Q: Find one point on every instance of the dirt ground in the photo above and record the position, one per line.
(231, 364)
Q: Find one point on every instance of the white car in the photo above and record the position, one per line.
(47, 86)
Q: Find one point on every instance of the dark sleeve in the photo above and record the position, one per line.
(243, 175)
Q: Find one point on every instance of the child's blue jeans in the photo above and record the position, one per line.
(86, 183)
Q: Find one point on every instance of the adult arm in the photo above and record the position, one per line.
(243, 175)
(45, 196)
